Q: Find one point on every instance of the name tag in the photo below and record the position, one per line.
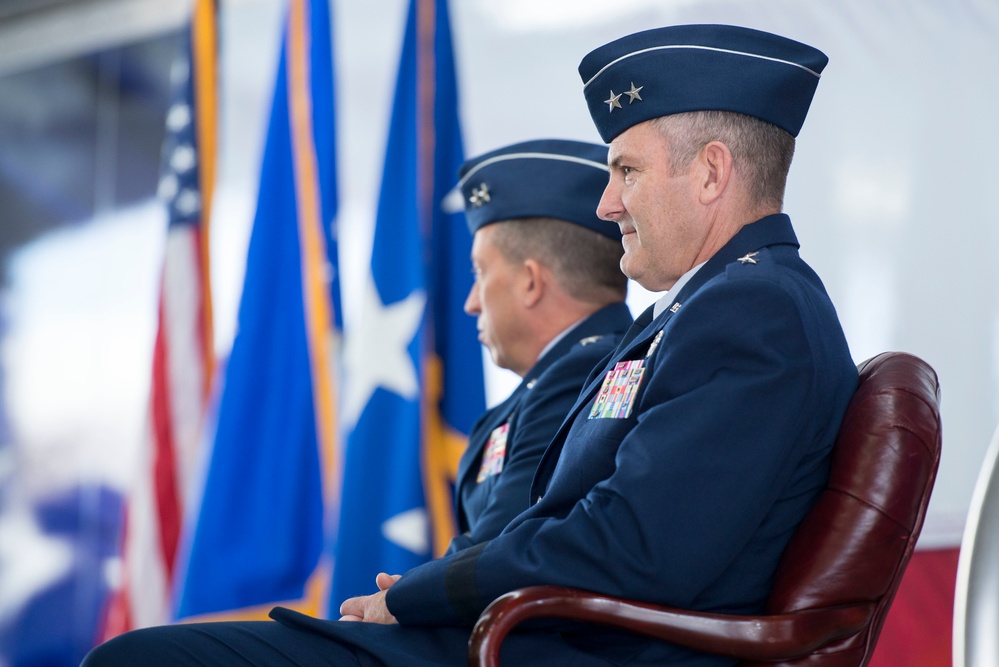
(495, 454)
(616, 397)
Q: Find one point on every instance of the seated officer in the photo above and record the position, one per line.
(685, 465)
(549, 298)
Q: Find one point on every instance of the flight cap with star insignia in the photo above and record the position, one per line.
(683, 68)
(544, 178)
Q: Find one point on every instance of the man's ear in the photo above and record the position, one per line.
(715, 160)
(535, 282)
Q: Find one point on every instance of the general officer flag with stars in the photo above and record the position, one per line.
(414, 370)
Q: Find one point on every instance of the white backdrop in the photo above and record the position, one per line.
(891, 190)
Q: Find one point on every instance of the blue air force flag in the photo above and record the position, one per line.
(414, 370)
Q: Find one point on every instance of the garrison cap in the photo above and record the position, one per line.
(698, 68)
(548, 178)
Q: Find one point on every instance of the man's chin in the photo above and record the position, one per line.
(629, 269)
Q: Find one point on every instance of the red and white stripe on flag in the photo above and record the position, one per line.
(183, 357)
(177, 403)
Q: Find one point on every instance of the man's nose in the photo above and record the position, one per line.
(610, 206)
(472, 300)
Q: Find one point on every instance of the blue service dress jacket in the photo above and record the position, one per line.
(496, 470)
(679, 481)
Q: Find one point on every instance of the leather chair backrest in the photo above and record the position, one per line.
(853, 546)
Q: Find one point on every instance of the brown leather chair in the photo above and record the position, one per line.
(841, 569)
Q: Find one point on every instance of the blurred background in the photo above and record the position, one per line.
(892, 193)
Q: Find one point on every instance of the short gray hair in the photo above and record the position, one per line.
(762, 151)
(586, 264)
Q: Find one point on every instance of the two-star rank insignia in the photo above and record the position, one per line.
(614, 101)
(748, 259)
(479, 196)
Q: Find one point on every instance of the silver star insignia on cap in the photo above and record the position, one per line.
(633, 93)
(613, 101)
(748, 259)
(479, 196)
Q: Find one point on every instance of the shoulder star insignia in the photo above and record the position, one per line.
(589, 339)
(613, 101)
(479, 196)
(633, 93)
(748, 259)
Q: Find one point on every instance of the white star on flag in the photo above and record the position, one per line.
(409, 531)
(376, 355)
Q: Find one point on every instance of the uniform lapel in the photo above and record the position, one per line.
(606, 320)
(468, 467)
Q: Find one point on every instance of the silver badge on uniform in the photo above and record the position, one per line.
(654, 344)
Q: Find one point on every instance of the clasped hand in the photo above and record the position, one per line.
(371, 608)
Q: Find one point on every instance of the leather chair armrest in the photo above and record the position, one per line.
(776, 637)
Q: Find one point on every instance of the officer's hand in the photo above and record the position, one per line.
(371, 608)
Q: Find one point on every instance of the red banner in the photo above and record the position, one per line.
(917, 632)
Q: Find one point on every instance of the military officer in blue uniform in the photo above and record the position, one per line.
(686, 463)
(549, 298)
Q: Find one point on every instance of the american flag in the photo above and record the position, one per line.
(183, 355)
